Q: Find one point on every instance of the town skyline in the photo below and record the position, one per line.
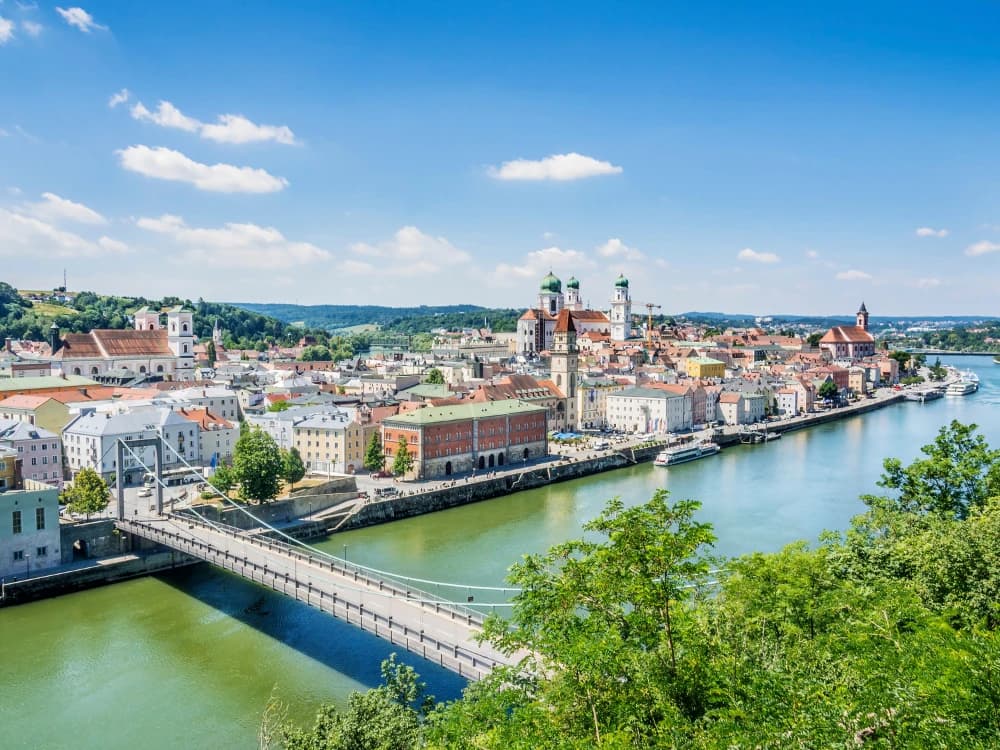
(722, 161)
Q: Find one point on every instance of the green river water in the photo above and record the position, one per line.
(190, 659)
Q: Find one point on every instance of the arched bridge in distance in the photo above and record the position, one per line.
(382, 603)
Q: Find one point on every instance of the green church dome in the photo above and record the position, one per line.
(622, 281)
(551, 284)
(572, 283)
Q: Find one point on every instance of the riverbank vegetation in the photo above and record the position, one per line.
(881, 636)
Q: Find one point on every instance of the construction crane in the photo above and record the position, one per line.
(649, 319)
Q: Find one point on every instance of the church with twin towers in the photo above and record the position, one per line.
(536, 328)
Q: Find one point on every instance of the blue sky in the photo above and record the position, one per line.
(764, 158)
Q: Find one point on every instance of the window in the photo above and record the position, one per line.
(34, 461)
(34, 447)
(18, 554)
(15, 522)
(41, 551)
(39, 518)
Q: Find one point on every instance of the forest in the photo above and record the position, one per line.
(881, 636)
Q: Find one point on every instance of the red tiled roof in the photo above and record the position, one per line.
(23, 401)
(564, 323)
(103, 343)
(847, 335)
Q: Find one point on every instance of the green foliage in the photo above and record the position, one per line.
(828, 390)
(316, 354)
(434, 377)
(278, 406)
(257, 465)
(409, 320)
(381, 719)
(813, 338)
(403, 462)
(293, 468)
(211, 353)
(374, 457)
(912, 380)
(938, 371)
(224, 479)
(88, 494)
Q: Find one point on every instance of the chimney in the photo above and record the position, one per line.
(8, 344)
(55, 342)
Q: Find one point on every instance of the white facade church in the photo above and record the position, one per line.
(150, 348)
(536, 327)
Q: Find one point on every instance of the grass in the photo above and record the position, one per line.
(50, 310)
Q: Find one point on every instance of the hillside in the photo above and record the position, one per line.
(21, 318)
(391, 319)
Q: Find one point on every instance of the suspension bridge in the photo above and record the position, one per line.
(383, 603)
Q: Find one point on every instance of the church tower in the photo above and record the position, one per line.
(180, 339)
(147, 320)
(550, 296)
(565, 365)
(621, 311)
(862, 317)
(217, 336)
(573, 301)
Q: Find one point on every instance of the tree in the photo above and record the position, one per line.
(937, 370)
(211, 353)
(223, 479)
(374, 457)
(88, 494)
(828, 390)
(403, 462)
(434, 377)
(257, 465)
(316, 353)
(813, 338)
(278, 406)
(294, 469)
(903, 358)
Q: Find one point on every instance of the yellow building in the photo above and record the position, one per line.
(330, 444)
(705, 367)
(9, 474)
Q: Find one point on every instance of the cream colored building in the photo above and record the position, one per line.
(331, 443)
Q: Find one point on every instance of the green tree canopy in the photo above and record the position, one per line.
(257, 465)
(374, 457)
(293, 468)
(403, 462)
(828, 389)
(434, 377)
(88, 494)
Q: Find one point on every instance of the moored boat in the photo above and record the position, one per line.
(966, 384)
(683, 453)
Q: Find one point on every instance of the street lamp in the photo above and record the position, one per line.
(27, 565)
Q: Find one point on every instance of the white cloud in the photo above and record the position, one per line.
(930, 232)
(572, 166)
(238, 129)
(112, 245)
(410, 252)
(615, 248)
(167, 116)
(927, 283)
(982, 248)
(32, 28)
(55, 209)
(754, 257)
(120, 98)
(853, 275)
(235, 245)
(167, 164)
(6, 30)
(227, 128)
(812, 254)
(539, 262)
(79, 18)
(28, 236)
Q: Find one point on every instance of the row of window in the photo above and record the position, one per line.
(34, 447)
(39, 552)
(17, 525)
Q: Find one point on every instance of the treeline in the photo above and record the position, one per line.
(408, 320)
(884, 636)
(22, 319)
(981, 338)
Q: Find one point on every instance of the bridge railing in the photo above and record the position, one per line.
(423, 598)
(463, 660)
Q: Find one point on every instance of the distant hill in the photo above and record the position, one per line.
(392, 319)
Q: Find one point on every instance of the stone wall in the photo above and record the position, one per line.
(305, 502)
(90, 540)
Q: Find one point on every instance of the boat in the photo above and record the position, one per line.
(968, 382)
(996, 360)
(683, 453)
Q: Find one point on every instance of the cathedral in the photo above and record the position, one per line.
(536, 328)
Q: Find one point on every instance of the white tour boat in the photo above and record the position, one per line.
(683, 453)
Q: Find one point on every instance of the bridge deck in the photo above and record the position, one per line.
(406, 617)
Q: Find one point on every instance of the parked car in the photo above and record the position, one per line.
(146, 492)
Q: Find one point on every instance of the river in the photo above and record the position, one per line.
(190, 659)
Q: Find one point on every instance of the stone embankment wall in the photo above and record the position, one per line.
(91, 539)
(463, 493)
(64, 582)
(303, 502)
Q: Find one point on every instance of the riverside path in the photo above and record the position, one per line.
(440, 631)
